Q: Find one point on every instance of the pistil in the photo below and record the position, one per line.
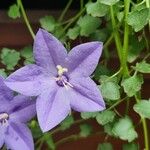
(62, 79)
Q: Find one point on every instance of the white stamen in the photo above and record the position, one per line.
(61, 70)
(4, 118)
(65, 85)
(68, 84)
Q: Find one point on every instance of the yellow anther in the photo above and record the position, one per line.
(61, 70)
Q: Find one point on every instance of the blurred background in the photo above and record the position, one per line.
(41, 4)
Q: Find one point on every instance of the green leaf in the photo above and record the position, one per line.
(108, 2)
(135, 47)
(124, 129)
(48, 23)
(67, 123)
(130, 146)
(143, 67)
(97, 9)
(27, 53)
(138, 18)
(110, 90)
(3, 73)
(120, 16)
(49, 140)
(101, 70)
(10, 58)
(73, 32)
(139, 6)
(13, 11)
(100, 35)
(87, 115)
(132, 84)
(36, 131)
(59, 32)
(105, 117)
(85, 130)
(105, 146)
(105, 78)
(143, 108)
(88, 25)
(108, 128)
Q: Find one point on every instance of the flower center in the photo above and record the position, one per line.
(62, 79)
(3, 118)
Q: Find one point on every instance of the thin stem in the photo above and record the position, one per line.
(65, 10)
(81, 4)
(74, 19)
(126, 39)
(117, 103)
(109, 40)
(74, 137)
(127, 106)
(148, 6)
(69, 138)
(113, 75)
(145, 129)
(71, 21)
(25, 18)
(116, 34)
(146, 41)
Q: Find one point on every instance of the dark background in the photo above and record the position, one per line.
(41, 4)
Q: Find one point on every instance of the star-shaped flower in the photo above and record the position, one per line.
(14, 113)
(60, 80)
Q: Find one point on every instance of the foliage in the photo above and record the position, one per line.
(124, 29)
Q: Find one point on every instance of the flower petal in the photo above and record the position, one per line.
(5, 96)
(18, 137)
(27, 80)
(23, 108)
(5, 92)
(85, 96)
(2, 130)
(48, 51)
(83, 59)
(52, 107)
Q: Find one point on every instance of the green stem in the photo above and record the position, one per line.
(66, 139)
(81, 4)
(72, 20)
(109, 40)
(113, 75)
(65, 10)
(74, 137)
(126, 39)
(116, 104)
(25, 18)
(116, 35)
(145, 129)
(148, 6)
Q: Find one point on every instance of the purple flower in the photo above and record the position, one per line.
(60, 80)
(14, 113)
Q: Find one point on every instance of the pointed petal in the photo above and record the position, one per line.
(83, 59)
(48, 51)
(18, 137)
(85, 96)
(52, 107)
(27, 80)
(23, 108)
